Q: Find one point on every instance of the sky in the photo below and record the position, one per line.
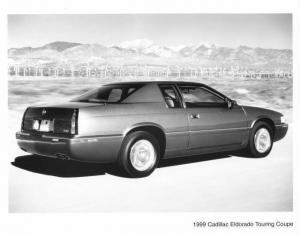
(231, 30)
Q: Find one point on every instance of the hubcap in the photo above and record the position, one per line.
(262, 140)
(142, 155)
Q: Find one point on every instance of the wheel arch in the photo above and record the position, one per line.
(265, 119)
(155, 129)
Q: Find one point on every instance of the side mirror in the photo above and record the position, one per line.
(231, 103)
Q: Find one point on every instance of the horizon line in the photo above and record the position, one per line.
(170, 47)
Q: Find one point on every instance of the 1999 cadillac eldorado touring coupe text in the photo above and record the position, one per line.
(136, 124)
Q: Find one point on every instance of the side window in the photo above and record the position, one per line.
(115, 95)
(200, 97)
(170, 96)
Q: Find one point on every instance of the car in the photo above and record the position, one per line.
(136, 124)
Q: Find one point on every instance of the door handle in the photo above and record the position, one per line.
(195, 116)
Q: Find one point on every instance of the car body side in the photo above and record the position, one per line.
(102, 128)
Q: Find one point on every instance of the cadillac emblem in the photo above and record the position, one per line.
(44, 111)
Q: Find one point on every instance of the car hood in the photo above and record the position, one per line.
(255, 113)
(261, 110)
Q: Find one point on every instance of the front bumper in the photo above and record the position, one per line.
(280, 131)
(102, 149)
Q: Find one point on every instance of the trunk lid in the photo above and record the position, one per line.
(56, 120)
(69, 105)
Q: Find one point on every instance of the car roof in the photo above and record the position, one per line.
(158, 82)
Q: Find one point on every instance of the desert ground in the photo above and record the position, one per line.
(202, 183)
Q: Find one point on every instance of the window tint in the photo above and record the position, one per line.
(200, 96)
(170, 96)
(108, 94)
(115, 95)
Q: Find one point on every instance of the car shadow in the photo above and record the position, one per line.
(68, 168)
(58, 167)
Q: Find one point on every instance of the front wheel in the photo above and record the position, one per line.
(139, 154)
(261, 140)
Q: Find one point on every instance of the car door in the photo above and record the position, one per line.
(212, 124)
(175, 122)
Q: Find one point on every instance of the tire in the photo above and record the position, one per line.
(264, 130)
(139, 154)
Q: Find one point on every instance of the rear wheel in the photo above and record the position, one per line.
(139, 154)
(261, 139)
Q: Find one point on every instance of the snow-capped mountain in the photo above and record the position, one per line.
(86, 51)
(159, 51)
(147, 47)
(146, 51)
(136, 45)
(177, 48)
(199, 49)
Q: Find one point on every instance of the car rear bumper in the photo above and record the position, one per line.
(280, 131)
(102, 149)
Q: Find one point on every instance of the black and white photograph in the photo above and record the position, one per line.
(150, 112)
(149, 117)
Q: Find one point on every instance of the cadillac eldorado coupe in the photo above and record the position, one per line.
(135, 124)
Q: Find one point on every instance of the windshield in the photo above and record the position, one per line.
(114, 93)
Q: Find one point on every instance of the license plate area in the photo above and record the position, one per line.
(43, 125)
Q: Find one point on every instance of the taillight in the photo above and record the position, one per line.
(23, 119)
(74, 122)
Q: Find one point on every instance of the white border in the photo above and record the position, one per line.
(139, 223)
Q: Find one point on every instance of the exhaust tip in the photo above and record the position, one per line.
(62, 156)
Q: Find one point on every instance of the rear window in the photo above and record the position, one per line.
(113, 93)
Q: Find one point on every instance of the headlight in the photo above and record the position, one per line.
(282, 119)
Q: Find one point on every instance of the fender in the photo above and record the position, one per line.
(259, 118)
(142, 124)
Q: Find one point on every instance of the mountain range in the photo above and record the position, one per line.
(144, 51)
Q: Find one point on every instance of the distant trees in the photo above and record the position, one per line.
(148, 71)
